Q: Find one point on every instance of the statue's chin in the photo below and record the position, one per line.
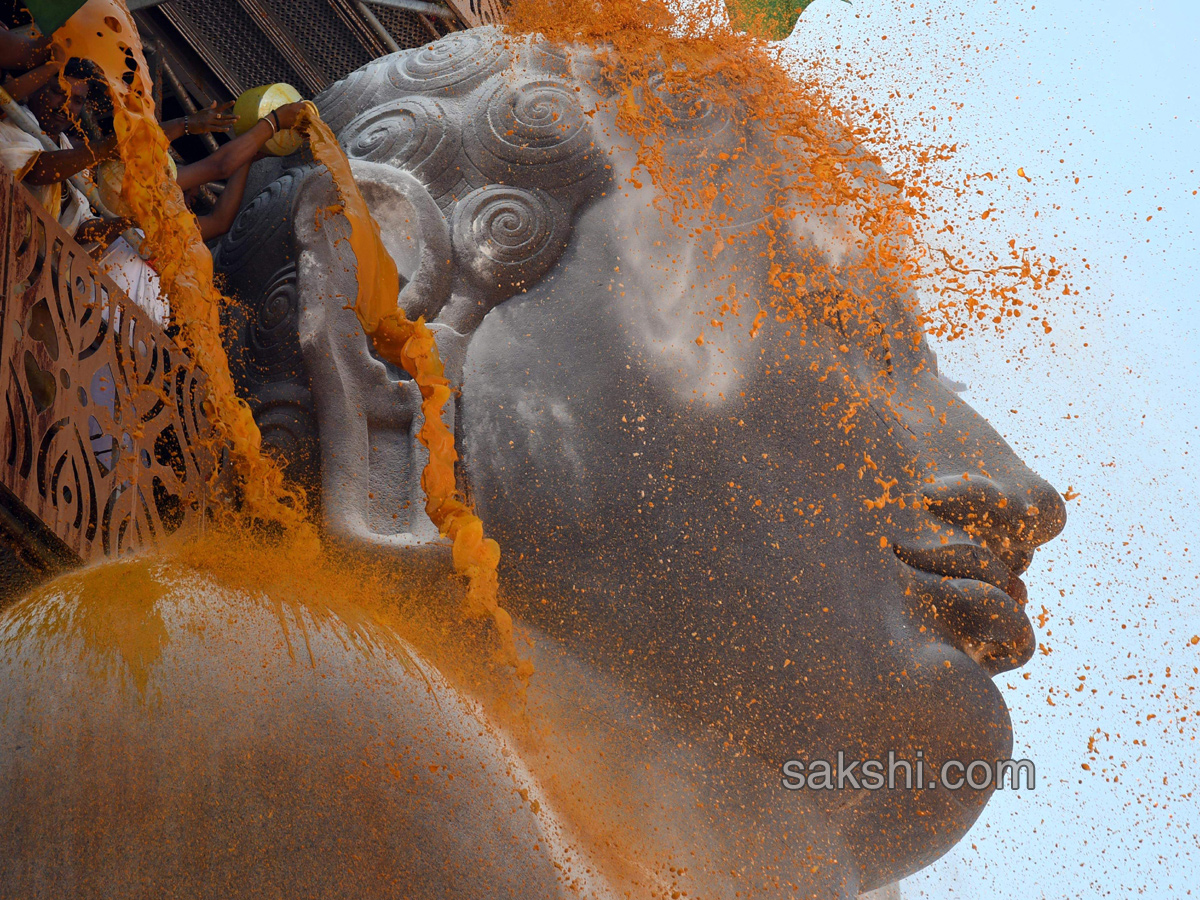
(893, 833)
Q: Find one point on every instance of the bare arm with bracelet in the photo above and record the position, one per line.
(240, 151)
(203, 121)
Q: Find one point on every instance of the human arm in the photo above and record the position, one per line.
(203, 121)
(58, 165)
(239, 152)
(19, 51)
(102, 231)
(21, 87)
(220, 220)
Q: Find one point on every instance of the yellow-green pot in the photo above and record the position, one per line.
(258, 102)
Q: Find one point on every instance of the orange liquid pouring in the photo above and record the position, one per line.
(104, 32)
(411, 345)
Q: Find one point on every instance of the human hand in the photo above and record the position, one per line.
(58, 53)
(213, 118)
(41, 49)
(102, 231)
(289, 115)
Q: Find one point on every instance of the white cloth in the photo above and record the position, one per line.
(78, 210)
(136, 278)
(19, 151)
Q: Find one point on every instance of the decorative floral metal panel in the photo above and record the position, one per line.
(102, 433)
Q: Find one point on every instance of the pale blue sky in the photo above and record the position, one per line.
(1108, 92)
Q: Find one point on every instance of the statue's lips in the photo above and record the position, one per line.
(975, 600)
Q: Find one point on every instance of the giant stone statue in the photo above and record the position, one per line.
(693, 546)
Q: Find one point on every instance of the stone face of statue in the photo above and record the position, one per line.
(771, 539)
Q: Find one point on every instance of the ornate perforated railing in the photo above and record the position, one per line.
(102, 439)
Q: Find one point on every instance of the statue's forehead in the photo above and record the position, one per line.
(482, 107)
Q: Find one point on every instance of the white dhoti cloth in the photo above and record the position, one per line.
(136, 278)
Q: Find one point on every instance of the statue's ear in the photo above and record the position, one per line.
(414, 232)
(368, 412)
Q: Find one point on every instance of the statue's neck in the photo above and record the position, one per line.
(645, 796)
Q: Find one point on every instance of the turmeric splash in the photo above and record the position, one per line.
(799, 156)
(411, 345)
(107, 31)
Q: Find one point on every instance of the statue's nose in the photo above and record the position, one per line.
(1022, 512)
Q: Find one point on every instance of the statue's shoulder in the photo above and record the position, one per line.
(168, 731)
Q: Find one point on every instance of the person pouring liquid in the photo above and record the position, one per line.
(58, 105)
(230, 163)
